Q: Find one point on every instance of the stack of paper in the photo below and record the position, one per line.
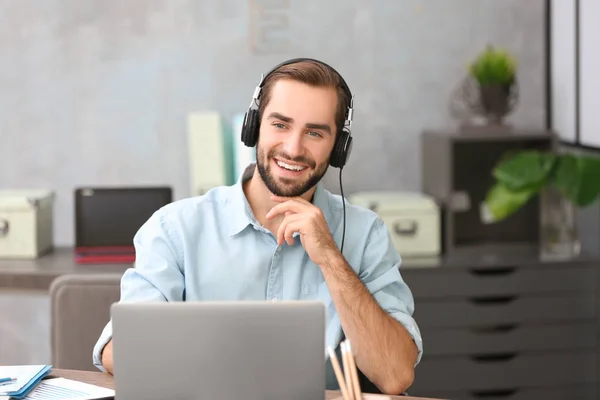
(18, 380)
(68, 389)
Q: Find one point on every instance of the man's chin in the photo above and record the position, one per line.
(288, 190)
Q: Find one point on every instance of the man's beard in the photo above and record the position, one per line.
(282, 186)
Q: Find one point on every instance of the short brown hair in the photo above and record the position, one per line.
(312, 73)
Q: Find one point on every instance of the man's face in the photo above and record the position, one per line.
(297, 134)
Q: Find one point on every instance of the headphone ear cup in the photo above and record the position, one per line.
(250, 128)
(341, 150)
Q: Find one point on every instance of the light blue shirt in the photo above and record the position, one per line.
(211, 247)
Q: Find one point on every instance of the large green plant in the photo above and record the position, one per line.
(494, 67)
(522, 175)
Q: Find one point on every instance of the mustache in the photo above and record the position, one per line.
(284, 156)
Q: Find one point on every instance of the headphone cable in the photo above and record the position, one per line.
(344, 211)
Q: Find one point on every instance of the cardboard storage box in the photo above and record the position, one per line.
(25, 223)
(413, 220)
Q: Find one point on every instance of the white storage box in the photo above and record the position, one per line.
(413, 220)
(25, 223)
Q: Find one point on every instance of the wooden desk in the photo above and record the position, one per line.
(38, 274)
(106, 380)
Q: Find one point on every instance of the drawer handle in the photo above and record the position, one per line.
(494, 357)
(493, 300)
(493, 271)
(4, 227)
(490, 394)
(407, 227)
(495, 329)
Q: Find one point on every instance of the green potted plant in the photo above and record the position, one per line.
(495, 74)
(565, 182)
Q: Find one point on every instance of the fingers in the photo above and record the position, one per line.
(294, 206)
(283, 208)
(290, 224)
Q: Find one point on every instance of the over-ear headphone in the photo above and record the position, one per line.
(343, 142)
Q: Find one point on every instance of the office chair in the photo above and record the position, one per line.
(80, 307)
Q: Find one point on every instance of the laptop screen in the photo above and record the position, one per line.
(112, 216)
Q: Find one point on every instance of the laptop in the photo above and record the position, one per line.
(219, 350)
(107, 219)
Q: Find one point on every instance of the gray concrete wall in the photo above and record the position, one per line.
(96, 92)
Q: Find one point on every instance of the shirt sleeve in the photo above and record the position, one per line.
(157, 275)
(380, 272)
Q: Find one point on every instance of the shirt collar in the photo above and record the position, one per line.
(241, 212)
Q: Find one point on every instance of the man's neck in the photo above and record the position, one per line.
(259, 199)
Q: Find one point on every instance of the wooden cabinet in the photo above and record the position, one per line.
(505, 328)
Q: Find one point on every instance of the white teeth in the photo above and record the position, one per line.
(290, 167)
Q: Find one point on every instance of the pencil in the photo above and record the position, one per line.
(338, 373)
(357, 390)
(347, 374)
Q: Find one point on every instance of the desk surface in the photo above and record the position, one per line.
(39, 274)
(106, 380)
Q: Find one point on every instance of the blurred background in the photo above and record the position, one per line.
(96, 93)
(145, 98)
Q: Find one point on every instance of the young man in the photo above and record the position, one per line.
(276, 234)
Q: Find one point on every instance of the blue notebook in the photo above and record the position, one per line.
(24, 379)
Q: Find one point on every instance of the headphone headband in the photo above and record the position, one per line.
(344, 85)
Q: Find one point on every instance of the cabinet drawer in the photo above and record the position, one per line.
(493, 311)
(548, 393)
(509, 338)
(438, 283)
(476, 374)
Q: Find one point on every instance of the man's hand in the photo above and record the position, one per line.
(307, 219)
(107, 357)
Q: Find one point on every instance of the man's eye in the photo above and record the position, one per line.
(313, 133)
(278, 125)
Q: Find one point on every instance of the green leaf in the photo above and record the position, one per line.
(578, 178)
(501, 202)
(566, 177)
(528, 169)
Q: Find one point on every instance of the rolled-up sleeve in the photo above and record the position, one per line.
(380, 272)
(157, 275)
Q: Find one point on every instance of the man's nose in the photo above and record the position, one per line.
(293, 144)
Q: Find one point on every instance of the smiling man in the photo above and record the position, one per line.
(279, 235)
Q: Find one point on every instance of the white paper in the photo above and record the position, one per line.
(67, 389)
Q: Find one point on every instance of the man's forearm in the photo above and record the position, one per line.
(383, 349)
(107, 357)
